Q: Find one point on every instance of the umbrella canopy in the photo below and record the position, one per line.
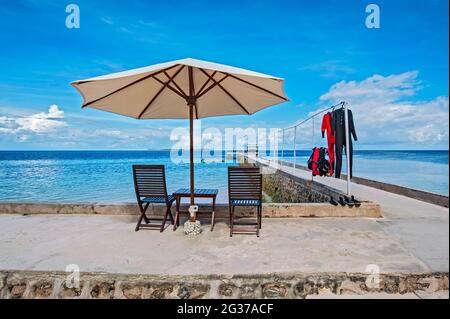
(186, 88)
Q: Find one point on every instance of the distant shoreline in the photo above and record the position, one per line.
(167, 150)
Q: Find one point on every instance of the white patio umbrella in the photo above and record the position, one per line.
(187, 88)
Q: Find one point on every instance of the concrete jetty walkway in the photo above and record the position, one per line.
(110, 244)
(420, 227)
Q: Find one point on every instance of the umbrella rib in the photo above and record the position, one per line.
(171, 88)
(211, 86)
(159, 92)
(204, 84)
(177, 86)
(256, 86)
(192, 91)
(126, 86)
(228, 93)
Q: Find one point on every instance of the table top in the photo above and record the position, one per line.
(197, 192)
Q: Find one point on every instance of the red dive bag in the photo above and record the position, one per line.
(318, 163)
(312, 162)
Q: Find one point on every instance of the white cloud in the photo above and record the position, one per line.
(39, 123)
(110, 133)
(387, 89)
(385, 113)
(53, 113)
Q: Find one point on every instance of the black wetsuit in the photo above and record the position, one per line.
(338, 126)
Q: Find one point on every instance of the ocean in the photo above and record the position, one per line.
(423, 170)
(106, 177)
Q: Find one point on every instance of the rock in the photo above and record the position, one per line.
(15, 279)
(103, 290)
(192, 291)
(70, 293)
(389, 284)
(192, 228)
(434, 284)
(226, 289)
(247, 291)
(306, 286)
(407, 285)
(299, 289)
(42, 290)
(131, 292)
(275, 290)
(350, 288)
(2, 281)
(157, 291)
(183, 292)
(310, 286)
(444, 283)
(17, 291)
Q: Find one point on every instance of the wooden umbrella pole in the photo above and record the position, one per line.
(191, 102)
(191, 150)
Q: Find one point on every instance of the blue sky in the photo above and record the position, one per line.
(395, 78)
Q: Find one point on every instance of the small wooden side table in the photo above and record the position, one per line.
(198, 193)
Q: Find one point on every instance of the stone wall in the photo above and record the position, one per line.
(367, 209)
(437, 199)
(283, 188)
(28, 285)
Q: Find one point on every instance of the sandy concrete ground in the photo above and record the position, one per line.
(110, 244)
(420, 227)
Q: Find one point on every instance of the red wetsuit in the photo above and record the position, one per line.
(331, 138)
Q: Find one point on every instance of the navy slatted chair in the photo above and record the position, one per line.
(150, 187)
(245, 189)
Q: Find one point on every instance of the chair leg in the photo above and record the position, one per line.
(172, 220)
(257, 230)
(143, 216)
(213, 220)
(213, 217)
(146, 219)
(138, 225)
(260, 216)
(177, 215)
(231, 219)
(165, 218)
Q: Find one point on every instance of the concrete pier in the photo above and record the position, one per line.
(294, 257)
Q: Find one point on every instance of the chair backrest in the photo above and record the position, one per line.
(149, 181)
(244, 183)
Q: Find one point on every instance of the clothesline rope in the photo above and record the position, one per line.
(312, 116)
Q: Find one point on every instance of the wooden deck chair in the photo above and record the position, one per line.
(245, 189)
(150, 187)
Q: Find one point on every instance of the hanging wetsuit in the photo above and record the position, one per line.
(338, 127)
(326, 126)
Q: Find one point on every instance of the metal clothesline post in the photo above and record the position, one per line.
(312, 175)
(295, 145)
(282, 144)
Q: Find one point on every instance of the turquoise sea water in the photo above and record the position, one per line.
(424, 170)
(93, 176)
(105, 176)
